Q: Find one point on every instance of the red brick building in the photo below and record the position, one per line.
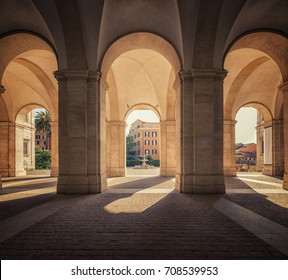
(43, 140)
(146, 137)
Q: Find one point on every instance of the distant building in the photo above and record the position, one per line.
(43, 140)
(246, 153)
(146, 139)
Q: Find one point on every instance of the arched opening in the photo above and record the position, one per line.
(26, 75)
(143, 146)
(256, 67)
(33, 136)
(140, 70)
(253, 141)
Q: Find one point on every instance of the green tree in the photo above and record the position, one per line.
(42, 122)
(129, 144)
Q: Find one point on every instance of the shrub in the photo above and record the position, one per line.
(42, 159)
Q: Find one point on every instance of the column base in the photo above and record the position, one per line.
(116, 172)
(267, 170)
(200, 184)
(285, 181)
(54, 172)
(21, 173)
(80, 184)
(167, 172)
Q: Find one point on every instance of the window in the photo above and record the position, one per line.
(138, 134)
(138, 143)
(138, 126)
(147, 134)
(138, 152)
(154, 134)
(147, 142)
(134, 136)
(147, 152)
(25, 148)
(154, 142)
(37, 142)
(154, 152)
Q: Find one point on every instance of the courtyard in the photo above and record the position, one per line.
(141, 216)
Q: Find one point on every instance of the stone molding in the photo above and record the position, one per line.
(216, 74)
(81, 74)
(167, 123)
(190, 75)
(116, 123)
(71, 74)
(230, 122)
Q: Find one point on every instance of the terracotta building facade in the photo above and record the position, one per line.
(194, 62)
(146, 139)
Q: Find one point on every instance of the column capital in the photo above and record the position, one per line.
(277, 121)
(71, 74)
(54, 123)
(284, 87)
(183, 75)
(230, 122)
(216, 74)
(167, 123)
(116, 123)
(81, 74)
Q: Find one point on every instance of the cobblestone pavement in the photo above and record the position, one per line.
(139, 217)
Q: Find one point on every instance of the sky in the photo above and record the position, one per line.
(245, 127)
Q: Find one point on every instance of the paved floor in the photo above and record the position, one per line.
(143, 217)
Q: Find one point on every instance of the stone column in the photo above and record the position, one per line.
(19, 157)
(54, 149)
(277, 148)
(115, 148)
(284, 89)
(268, 151)
(229, 148)
(200, 131)
(7, 149)
(260, 146)
(168, 148)
(184, 132)
(82, 135)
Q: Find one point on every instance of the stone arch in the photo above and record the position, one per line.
(257, 64)
(141, 86)
(140, 40)
(271, 42)
(26, 73)
(142, 106)
(261, 108)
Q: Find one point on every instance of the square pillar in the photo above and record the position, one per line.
(200, 131)
(82, 135)
(7, 149)
(284, 89)
(115, 148)
(54, 149)
(168, 148)
(277, 148)
(229, 148)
